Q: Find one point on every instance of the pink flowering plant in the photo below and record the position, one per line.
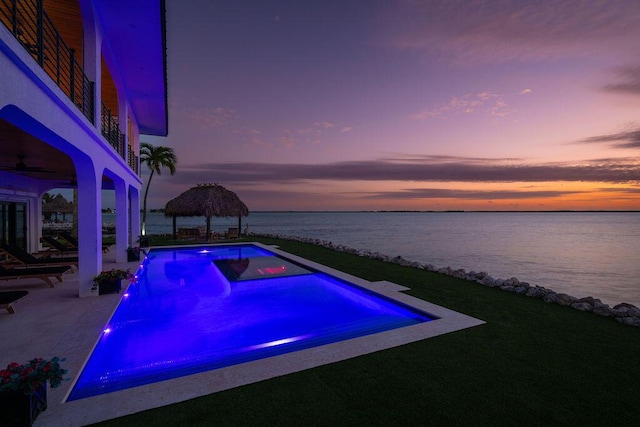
(32, 375)
(112, 274)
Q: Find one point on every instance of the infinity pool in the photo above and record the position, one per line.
(197, 309)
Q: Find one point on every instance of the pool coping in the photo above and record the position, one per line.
(117, 404)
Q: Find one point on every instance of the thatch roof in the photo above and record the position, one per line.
(207, 200)
(58, 205)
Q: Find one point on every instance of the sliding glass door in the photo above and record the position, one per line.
(13, 223)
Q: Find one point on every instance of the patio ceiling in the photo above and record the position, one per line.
(42, 160)
(136, 34)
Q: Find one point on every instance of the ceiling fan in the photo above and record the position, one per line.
(21, 167)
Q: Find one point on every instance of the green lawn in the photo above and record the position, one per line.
(532, 363)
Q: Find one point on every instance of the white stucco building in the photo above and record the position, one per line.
(80, 80)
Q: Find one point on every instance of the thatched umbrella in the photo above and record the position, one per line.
(206, 200)
(58, 205)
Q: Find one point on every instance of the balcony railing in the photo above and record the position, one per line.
(31, 26)
(133, 160)
(111, 131)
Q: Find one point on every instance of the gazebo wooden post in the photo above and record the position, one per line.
(239, 225)
(208, 228)
(174, 228)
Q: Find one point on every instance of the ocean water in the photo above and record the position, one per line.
(579, 253)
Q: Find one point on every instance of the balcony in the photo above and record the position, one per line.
(33, 28)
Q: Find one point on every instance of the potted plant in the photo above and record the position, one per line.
(144, 241)
(133, 253)
(108, 281)
(23, 389)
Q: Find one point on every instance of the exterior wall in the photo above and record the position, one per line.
(30, 100)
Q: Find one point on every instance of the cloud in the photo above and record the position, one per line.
(629, 83)
(485, 102)
(622, 140)
(442, 193)
(325, 125)
(441, 158)
(626, 190)
(214, 117)
(310, 134)
(503, 30)
(288, 140)
(427, 169)
(525, 91)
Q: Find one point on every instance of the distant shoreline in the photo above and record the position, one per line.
(456, 211)
(445, 211)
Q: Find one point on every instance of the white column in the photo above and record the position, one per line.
(122, 220)
(134, 199)
(92, 64)
(89, 225)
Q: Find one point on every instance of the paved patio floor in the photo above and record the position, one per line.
(55, 322)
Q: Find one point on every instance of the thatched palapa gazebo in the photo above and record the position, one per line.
(59, 205)
(207, 200)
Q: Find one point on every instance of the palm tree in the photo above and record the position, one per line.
(155, 158)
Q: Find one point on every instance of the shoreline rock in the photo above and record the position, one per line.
(624, 312)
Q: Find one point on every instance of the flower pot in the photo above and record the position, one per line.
(133, 256)
(19, 409)
(109, 286)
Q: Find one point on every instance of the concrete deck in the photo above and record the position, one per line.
(55, 322)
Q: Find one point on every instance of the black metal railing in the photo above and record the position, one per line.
(111, 130)
(133, 160)
(31, 26)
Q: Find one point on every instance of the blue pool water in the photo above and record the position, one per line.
(197, 309)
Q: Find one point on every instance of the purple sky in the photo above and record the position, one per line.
(389, 105)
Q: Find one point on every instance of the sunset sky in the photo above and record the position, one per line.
(416, 105)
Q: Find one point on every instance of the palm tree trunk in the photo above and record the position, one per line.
(144, 206)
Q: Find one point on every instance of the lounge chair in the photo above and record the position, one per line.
(58, 245)
(17, 255)
(9, 297)
(42, 273)
(74, 242)
(69, 238)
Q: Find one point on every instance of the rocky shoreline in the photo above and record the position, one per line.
(625, 313)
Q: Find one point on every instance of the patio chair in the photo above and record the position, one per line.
(232, 233)
(7, 298)
(58, 245)
(42, 273)
(190, 233)
(17, 255)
